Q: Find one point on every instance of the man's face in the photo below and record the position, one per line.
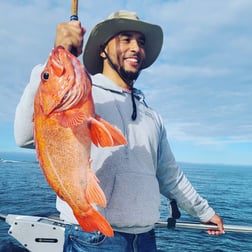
(126, 51)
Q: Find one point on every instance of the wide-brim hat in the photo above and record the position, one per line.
(118, 22)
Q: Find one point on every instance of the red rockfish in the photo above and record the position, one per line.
(65, 123)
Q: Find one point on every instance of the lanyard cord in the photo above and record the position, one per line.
(134, 113)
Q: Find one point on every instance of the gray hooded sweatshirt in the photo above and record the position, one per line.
(132, 176)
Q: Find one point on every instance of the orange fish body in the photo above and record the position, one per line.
(65, 123)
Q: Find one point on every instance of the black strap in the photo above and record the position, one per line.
(134, 113)
(175, 214)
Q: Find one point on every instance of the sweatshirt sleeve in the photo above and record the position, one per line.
(175, 185)
(23, 125)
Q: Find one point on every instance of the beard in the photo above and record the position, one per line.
(128, 75)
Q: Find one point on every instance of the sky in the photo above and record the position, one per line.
(201, 84)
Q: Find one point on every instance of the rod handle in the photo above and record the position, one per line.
(74, 16)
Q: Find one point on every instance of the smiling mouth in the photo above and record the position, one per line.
(133, 61)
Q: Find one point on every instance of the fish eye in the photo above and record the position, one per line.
(45, 76)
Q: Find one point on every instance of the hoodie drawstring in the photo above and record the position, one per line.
(134, 113)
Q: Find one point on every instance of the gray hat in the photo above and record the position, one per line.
(118, 22)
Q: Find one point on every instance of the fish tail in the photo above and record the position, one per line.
(94, 221)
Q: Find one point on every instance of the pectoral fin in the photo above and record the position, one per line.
(99, 133)
(117, 136)
(104, 134)
(71, 118)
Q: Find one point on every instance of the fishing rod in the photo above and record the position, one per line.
(190, 225)
(48, 233)
(74, 10)
(3, 217)
(74, 16)
(175, 214)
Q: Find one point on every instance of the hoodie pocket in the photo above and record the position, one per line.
(134, 201)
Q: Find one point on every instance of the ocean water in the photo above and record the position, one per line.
(23, 190)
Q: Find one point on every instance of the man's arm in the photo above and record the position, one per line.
(23, 125)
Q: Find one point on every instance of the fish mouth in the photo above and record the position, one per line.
(71, 86)
(76, 92)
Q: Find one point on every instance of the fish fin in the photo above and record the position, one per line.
(94, 221)
(117, 136)
(94, 193)
(71, 118)
(99, 133)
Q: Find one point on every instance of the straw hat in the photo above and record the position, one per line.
(118, 22)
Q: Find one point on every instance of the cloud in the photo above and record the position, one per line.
(202, 80)
(201, 83)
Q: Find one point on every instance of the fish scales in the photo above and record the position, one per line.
(65, 124)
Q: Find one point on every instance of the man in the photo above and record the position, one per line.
(134, 175)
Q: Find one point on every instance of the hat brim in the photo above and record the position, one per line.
(107, 29)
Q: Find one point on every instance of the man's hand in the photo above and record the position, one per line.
(70, 35)
(218, 221)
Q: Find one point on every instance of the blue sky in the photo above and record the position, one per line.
(201, 84)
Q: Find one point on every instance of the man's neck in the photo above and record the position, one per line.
(116, 78)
